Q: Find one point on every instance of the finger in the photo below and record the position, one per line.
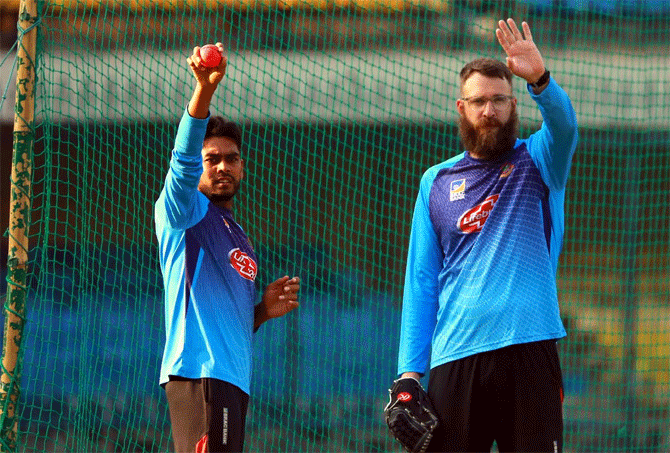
(502, 40)
(289, 298)
(197, 61)
(282, 280)
(287, 284)
(526, 31)
(514, 29)
(293, 287)
(220, 47)
(505, 32)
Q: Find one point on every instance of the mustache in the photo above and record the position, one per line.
(225, 175)
(490, 122)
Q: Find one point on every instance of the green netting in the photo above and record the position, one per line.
(344, 104)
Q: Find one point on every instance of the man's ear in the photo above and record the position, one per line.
(460, 107)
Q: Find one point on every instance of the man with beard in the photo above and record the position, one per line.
(209, 270)
(480, 307)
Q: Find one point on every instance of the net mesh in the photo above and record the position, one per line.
(344, 104)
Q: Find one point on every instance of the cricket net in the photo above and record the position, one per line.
(344, 104)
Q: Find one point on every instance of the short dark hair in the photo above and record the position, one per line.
(488, 67)
(220, 127)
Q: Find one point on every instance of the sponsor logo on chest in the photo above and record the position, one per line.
(457, 190)
(243, 264)
(472, 220)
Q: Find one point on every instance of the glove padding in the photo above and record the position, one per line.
(410, 415)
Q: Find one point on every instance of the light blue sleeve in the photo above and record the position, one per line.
(552, 147)
(180, 204)
(420, 297)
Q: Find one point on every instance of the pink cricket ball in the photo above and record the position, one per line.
(210, 55)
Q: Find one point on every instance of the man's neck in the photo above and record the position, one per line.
(227, 205)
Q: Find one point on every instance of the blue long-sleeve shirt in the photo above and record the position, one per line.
(484, 246)
(209, 269)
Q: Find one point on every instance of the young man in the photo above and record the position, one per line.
(209, 270)
(480, 306)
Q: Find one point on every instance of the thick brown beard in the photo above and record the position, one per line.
(489, 143)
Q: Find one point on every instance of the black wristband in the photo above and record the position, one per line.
(544, 78)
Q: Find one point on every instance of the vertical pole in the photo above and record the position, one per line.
(19, 222)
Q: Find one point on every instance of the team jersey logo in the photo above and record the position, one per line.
(472, 221)
(457, 190)
(243, 264)
(506, 170)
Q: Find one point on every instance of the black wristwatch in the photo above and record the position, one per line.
(544, 78)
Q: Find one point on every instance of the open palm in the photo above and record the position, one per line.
(523, 56)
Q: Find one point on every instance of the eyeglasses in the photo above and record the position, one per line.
(499, 101)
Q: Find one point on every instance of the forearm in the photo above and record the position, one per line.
(418, 321)
(201, 99)
(186, 160)
(556, 141)
(415, 342)
(557, 111)
(179, 195)
(424, 261)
